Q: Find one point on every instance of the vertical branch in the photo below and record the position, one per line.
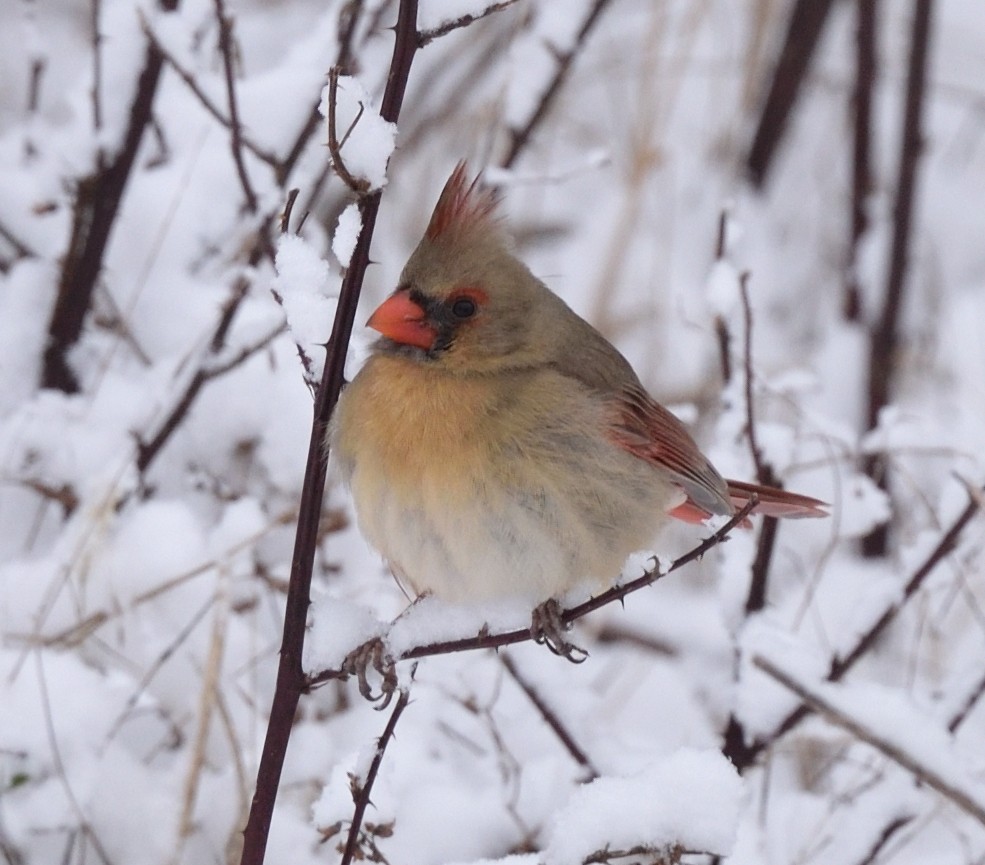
(290, 674)
(865, 76)
(803, 33)
(885, 338)
(97, 65)
(97, 203)
(226, 48)
(362, 793)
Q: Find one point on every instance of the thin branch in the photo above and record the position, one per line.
(865, 77)
(807, 20)
(97, 64)
(551, 719)
(291, 679)
(426, 37)
(243, 139)
(349, 16)
(839, 666)
(885, 337)
(362, 792)
(359, 185)
(920, 770)
(226, 48)
(519, 138)
(486, 640)
(974, 695)
(888, 833)
(59, 764)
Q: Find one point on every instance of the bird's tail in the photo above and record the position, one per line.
(771, 501)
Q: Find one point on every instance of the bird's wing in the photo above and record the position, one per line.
(644, 428)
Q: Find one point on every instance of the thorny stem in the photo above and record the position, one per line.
(362, 795)
(290, 674)
(522, 635)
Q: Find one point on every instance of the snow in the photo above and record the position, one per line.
(132, 597)
(691, 799)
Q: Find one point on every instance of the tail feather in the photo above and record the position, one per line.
(771, 501)
(774, 502)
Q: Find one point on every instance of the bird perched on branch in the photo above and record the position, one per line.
(496, 444)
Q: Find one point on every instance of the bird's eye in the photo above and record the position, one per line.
(464, 307)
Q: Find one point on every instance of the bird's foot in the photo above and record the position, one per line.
(373, 655)
(547, 626)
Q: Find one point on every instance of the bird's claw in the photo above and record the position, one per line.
(547, 627)
(373, 655)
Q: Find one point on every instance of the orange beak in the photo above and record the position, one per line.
(401, 319)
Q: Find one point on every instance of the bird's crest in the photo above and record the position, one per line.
(463, 207)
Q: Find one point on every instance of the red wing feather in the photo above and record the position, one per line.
(648, 431)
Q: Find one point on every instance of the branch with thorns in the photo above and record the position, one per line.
(374, 654)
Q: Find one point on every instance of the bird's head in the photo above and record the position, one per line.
(464, 303)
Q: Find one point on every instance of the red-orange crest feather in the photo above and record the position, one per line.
(463, 207)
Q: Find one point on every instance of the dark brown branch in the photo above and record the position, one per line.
(885, 337)
(888, 833)
(97, 203)
(226, 49)
(362, 792)
(551, 719)
(426, 37)
(521, 635)
(970, 702)
(359, 185)
(148, 450)
(765, 475)
(865, 77)
(291, 679)
(922, 772)
(744, 757)
(244, 140)
(807, 21)
(519, 138)
(97, 64)
(349, 16)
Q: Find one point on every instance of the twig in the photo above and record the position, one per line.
(807, 21)
(97, 65)
(765, 475)
(839, 666)
(291, 679)
(885, 337)
(192, 84)
(426, 37)
(887, 834)
(865, 76)
(519, 138)
(235, 126)
(349, 15)
(551, 718)
(974, 695)
(148, 450)
(361, 793)
(359, 185)
(924, 773)
(97, 204)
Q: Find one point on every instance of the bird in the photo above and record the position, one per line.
(499, 447)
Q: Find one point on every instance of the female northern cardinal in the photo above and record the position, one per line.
(496, 444)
